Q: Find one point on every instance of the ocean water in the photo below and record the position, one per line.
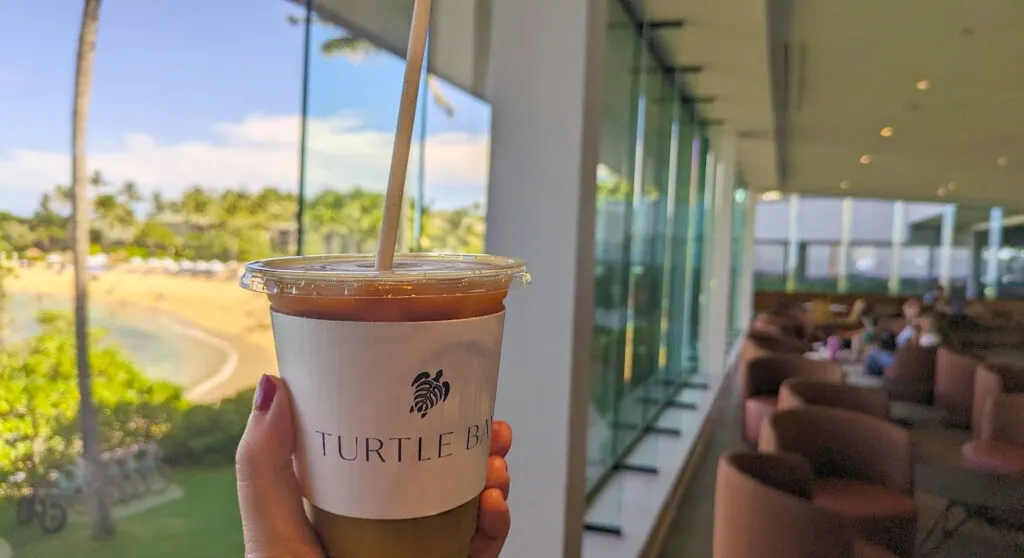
(163, 348)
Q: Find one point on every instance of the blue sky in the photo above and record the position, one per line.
(210, 92)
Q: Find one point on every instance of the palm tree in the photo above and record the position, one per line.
(102, 520)
(131, 195)
(195, 206)
(356, 48)
(157, 204)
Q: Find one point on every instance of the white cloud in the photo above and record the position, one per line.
(259, 150)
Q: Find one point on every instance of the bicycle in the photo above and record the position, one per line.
(69, 486)
(128, 474)
(119, 490)
(40, 507)
(151, 469)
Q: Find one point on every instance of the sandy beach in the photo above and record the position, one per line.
(217, 310)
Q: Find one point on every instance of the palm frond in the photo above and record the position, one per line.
(438, 96)
(349, 46)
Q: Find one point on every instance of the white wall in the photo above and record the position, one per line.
(546, 89)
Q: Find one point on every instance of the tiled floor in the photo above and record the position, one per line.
(690, 534)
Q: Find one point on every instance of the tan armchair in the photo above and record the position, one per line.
(911, 378)
(954, 385)
(999, 445)
(763, 343)
(862, 466)
(763, 509)
(763, 377)
(778, 324)
(990, 381)
(802, 392)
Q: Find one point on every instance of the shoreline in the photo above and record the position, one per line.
(214, 312)
(226, 370)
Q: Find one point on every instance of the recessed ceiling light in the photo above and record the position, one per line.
(924, 85)
(942, 192)
(1003, 161)
(951, 186)
(865, 159)
(844, 184)
(771, 195)
(887, 132)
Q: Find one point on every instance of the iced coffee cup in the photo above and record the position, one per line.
(393, 376)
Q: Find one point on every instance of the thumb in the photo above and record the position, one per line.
(273, 520)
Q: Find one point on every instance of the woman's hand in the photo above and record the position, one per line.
(274, 523)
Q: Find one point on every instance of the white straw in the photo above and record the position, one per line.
(403, 136)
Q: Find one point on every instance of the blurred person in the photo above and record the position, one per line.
(935, 295)
(911, 312)
(926, 335)
(882, 356)
(863, 338)
(819, 311)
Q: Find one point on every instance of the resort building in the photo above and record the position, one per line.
(677, 174)
(655, 161)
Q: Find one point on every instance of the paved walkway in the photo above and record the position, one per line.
(5, 549)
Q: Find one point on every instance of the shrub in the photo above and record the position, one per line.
(39, 399)
(208, 434)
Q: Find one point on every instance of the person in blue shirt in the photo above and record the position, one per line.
(883, 355)
(911, 312)
(935, 295)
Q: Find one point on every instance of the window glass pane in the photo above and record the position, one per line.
(643, 329)
(771, 236)
(682, 249)
(649, 225)
(739, 228)
(456, 154)
(871, 260)
(612, 239)
(194, 136)
(349, 133)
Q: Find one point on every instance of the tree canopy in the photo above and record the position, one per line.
(39, 400)
(229, 224)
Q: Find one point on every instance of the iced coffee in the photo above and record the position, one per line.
(393, 375)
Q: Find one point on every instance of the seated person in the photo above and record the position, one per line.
(926, 335)
(820, 311)
(862, 339)
(857, 310)
(882, 356)
(911, 312)
(935, 297)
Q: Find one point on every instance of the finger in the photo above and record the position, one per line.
(273, 520)
(497, 475)
(501, 438)
(493, 524)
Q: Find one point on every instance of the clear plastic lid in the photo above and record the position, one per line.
(347, 274)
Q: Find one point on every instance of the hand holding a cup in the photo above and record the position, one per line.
(274, 522)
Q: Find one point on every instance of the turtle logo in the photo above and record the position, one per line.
(428, 392)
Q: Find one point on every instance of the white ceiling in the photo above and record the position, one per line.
(729, 39)
(863, 59)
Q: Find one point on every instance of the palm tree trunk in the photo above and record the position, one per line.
(102, 520)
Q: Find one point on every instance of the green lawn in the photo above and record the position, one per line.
(202, 524)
